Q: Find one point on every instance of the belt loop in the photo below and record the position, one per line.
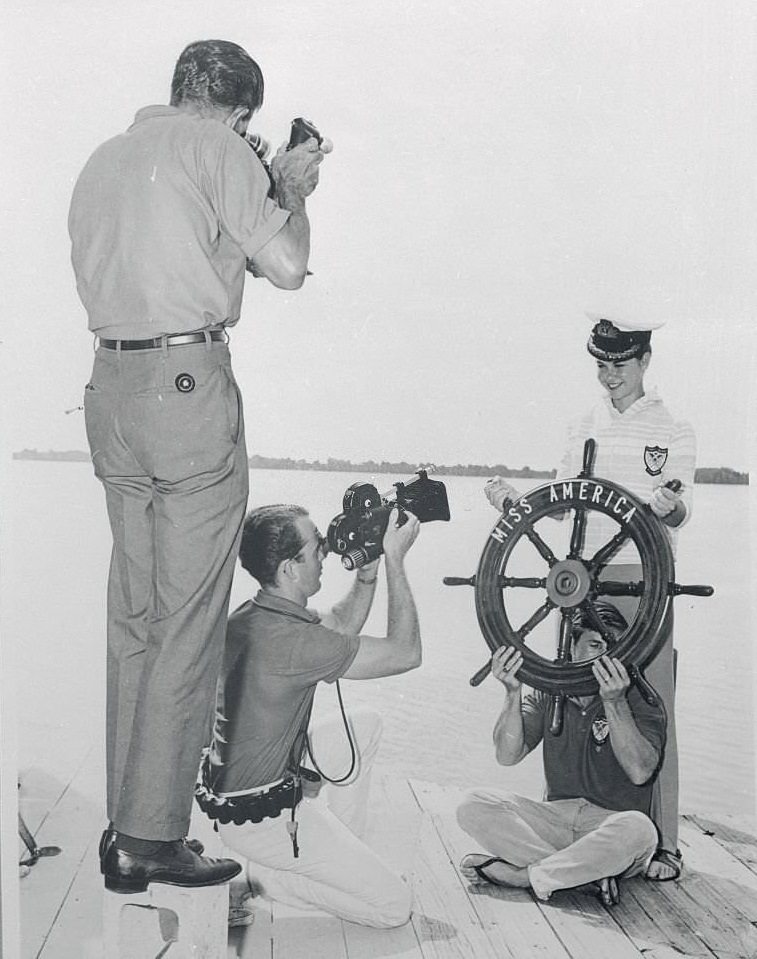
(95, 343)
(164, 345)
(208, 340)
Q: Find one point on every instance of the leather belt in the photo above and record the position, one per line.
(176, 339)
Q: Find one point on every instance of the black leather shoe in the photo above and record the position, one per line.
(178, 865)
(110, 835)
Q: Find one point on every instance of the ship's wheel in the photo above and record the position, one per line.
(575, 582)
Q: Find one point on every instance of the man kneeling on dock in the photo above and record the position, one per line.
(594, 826)
(301, 839)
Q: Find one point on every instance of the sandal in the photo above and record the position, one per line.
(479, 869)
(608, 892)
(673, 860)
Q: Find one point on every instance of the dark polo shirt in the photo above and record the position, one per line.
(580, 762)
(276, 654)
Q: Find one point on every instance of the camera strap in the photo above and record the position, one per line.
(303, 745)
(296, 755)
(350, 741)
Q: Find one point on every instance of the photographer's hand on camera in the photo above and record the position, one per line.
(368, 574)
(400, 650)
(284, 258)
(399, 538)
(295, 172)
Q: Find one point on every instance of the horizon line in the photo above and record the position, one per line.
(725, 475)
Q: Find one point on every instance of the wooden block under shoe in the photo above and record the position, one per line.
(194, 921)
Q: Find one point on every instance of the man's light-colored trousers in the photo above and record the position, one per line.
(336, 871)
(166, 435)
(565, 843)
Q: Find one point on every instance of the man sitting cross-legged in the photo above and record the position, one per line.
(594, 824)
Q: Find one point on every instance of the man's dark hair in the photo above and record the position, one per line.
(217, 73)
(608, 613)
(269, 536)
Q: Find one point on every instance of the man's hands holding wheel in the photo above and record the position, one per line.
(612, 677)
(506, 661)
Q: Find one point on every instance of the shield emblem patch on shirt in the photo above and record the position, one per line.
(655, 458)
(600, 730)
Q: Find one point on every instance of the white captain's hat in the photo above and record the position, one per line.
(620, 338)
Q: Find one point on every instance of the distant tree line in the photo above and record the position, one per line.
(720, 474)
(705, 474)
(333, 465)
(71, 456)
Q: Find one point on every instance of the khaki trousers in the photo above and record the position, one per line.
(166, 434)
(565, 843)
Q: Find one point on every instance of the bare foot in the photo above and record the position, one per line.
(665, 866)
(481, 869)
(660, 871)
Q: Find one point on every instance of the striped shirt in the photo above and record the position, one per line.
(639, 449)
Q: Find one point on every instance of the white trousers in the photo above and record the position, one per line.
(335, 871)
(564, 843)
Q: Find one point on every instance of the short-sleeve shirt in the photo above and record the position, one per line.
(162, 220)
(580, 762)
(640, 449)
(276, 654)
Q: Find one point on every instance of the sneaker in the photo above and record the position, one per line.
(241, 910)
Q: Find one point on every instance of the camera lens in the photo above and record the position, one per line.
(354, 559)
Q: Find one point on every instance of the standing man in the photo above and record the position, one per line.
(164, 220)
(641, 447)
(303, 846)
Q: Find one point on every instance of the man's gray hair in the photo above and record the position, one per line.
(217, 73)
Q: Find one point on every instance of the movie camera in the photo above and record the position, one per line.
(356, 534)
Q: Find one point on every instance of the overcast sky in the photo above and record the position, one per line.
(499, 168)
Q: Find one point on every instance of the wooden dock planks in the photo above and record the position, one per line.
(525, 931)
(573, 924)
(72, 821)
(394, 832)
(711, 913)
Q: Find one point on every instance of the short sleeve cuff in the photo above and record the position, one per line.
(265, 232)
(352, 650)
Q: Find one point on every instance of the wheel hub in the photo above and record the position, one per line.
(568, 583)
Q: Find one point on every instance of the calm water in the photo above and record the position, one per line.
(436, 726)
